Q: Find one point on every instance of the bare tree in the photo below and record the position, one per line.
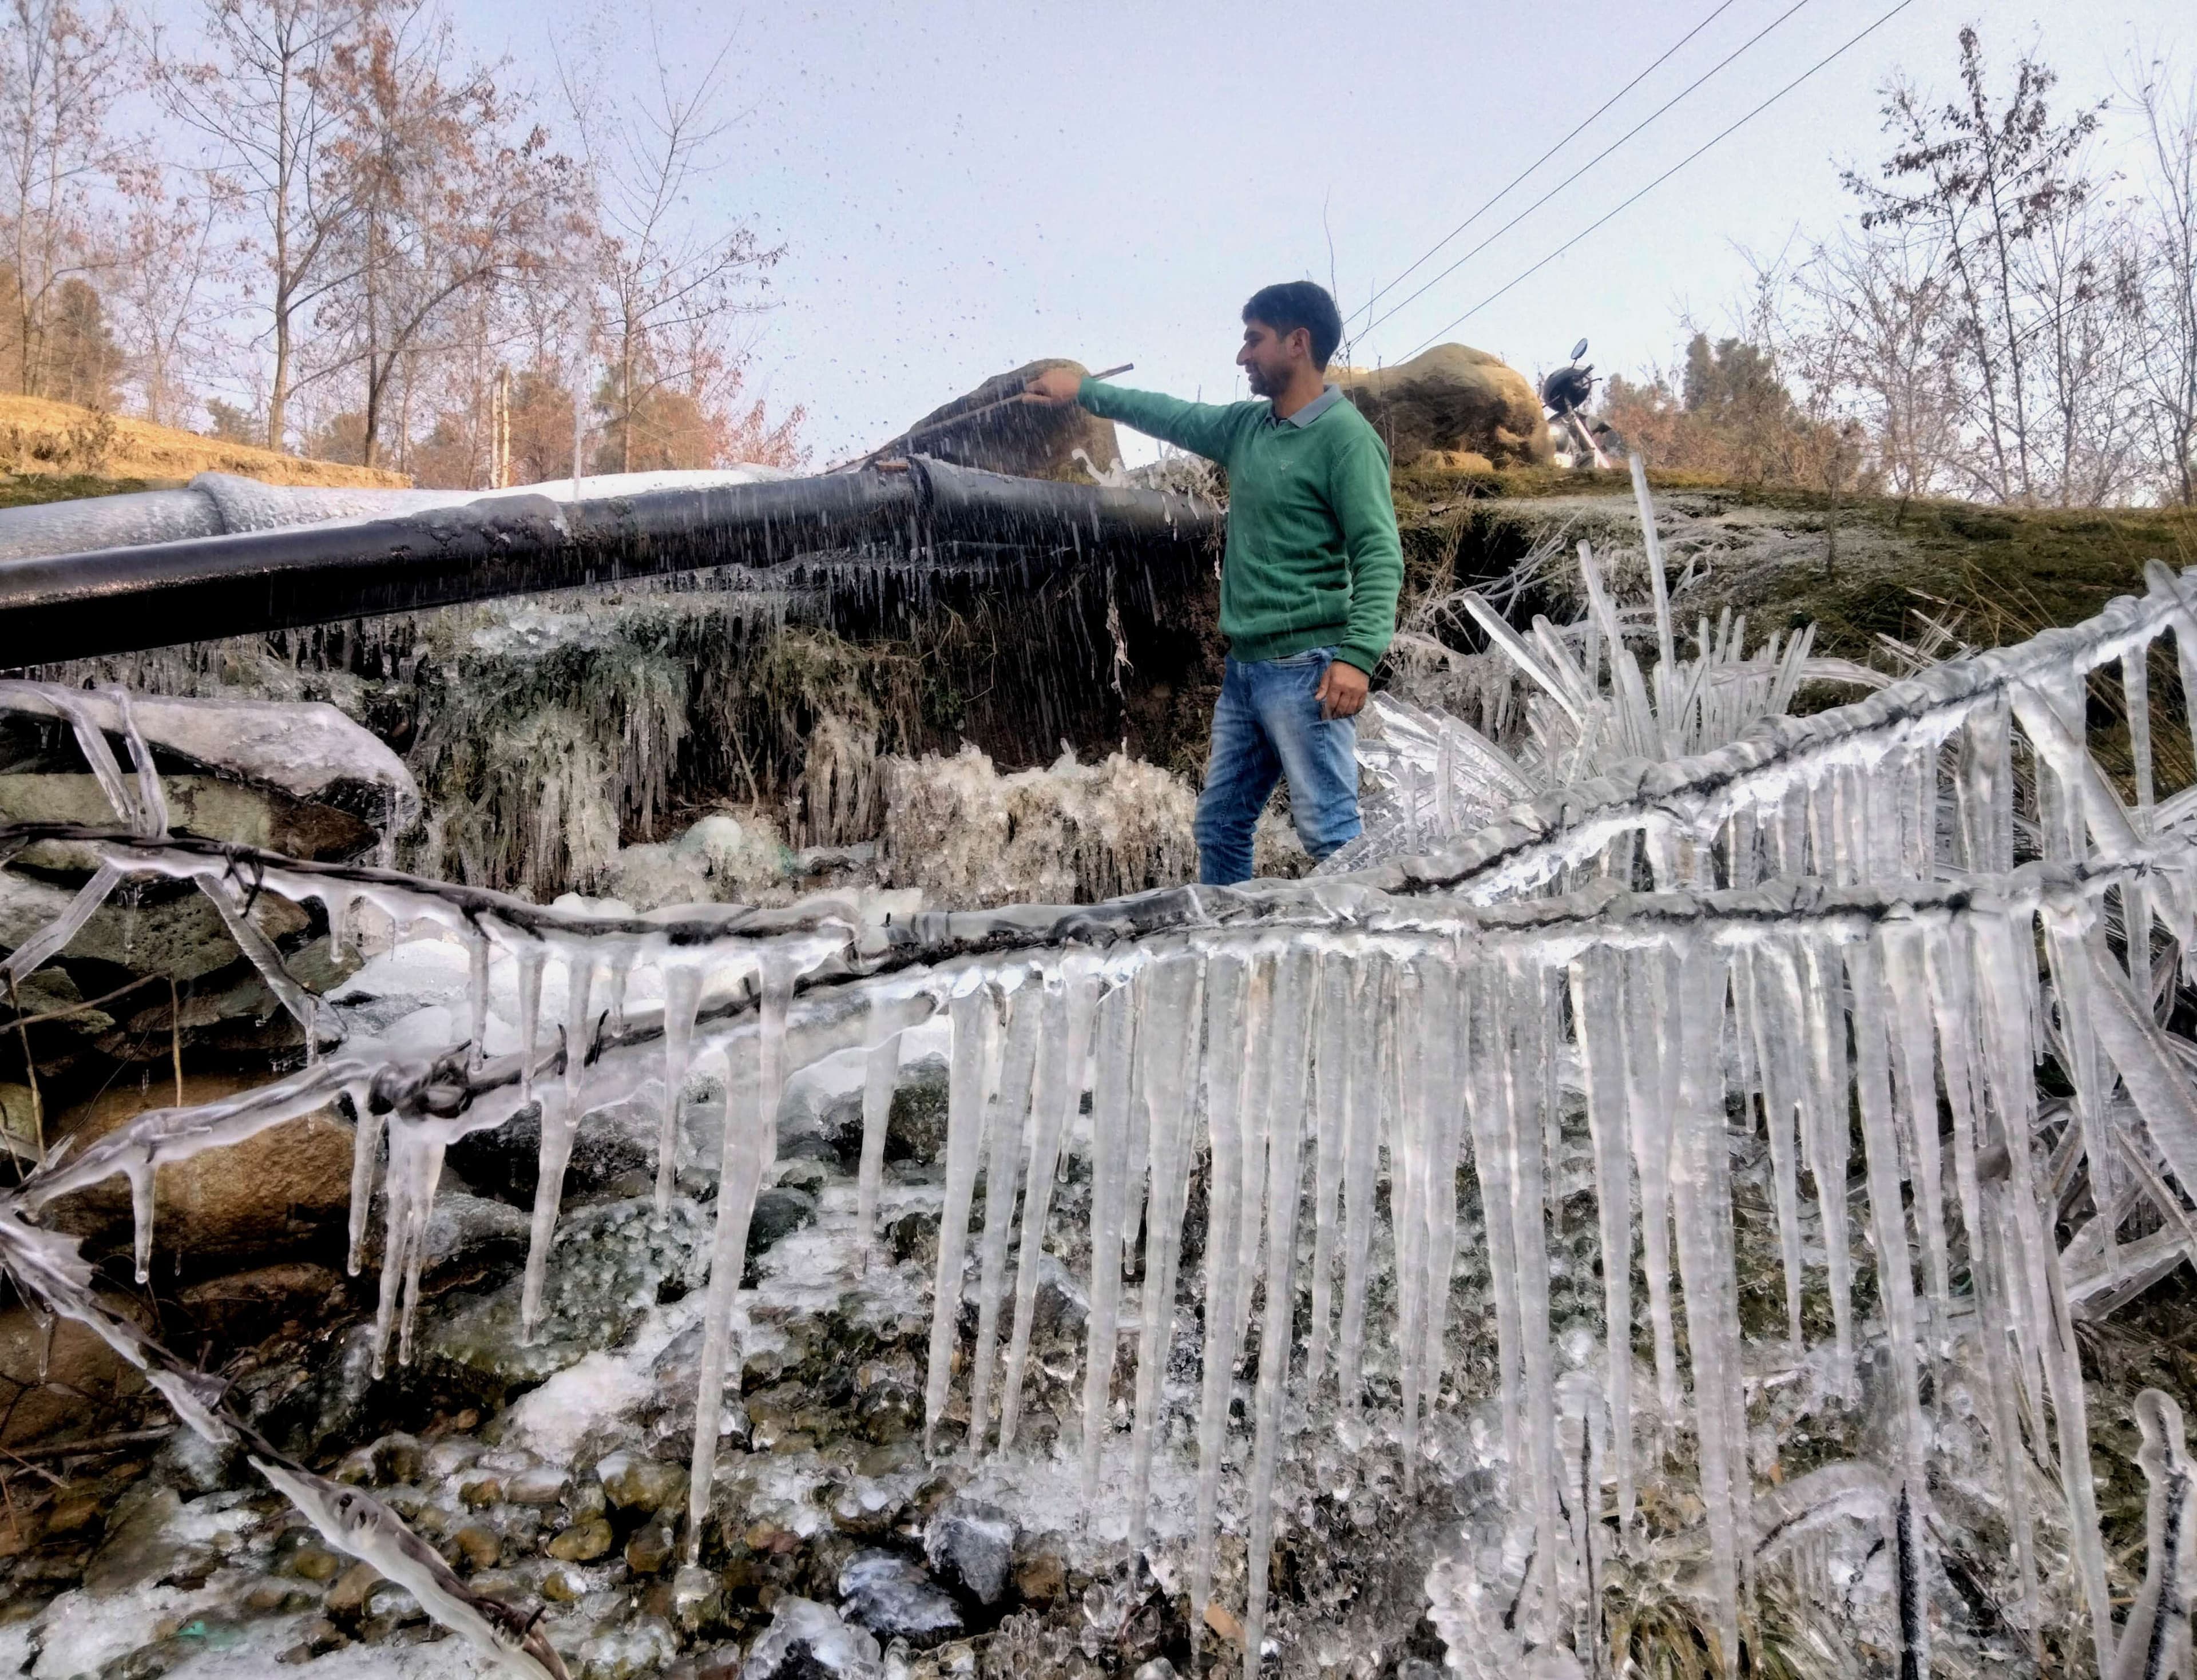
(454, 199)
(668, 288)
(2168, 382)
(1986, 180)
(258, 89)
(61, 71)
(163, 279)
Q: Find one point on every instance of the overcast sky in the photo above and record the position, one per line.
(961, 187)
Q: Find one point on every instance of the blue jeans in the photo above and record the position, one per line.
(1267, 724)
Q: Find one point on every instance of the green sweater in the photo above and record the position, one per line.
(1313, 559)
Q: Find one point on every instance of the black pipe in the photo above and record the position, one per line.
(120, 601)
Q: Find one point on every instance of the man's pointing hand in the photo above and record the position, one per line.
(1055, 388)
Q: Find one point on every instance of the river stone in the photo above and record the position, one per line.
(885, 1593)
(649, 1549)
(265, 1197)
(779, 1212)
(585, 1542)
(81, 1389)
(971, 1545)
(916, 1129)
(631, 1482)
(543, 1485)
(806, 1639)
(140, 1544)
(1452, 398)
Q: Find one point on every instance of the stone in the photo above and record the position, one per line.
(585, 1542)
(1042, 1579)
(397, 1458)
(139, 1546)
(649, 1549)
(1159, 1668)
(263, 1198)
(807, 1639)
(632, 1483)
(885, 1593)
(480, 1544)
(971, 1546)
(242, 1307)
(697, 1598)
(642, 1647)
(1452, 397)
(543, 1485)
(779, 1212)
(563, 1586)
(82, 1386)
(987, 428)
(479, 1492)
(312, 1563)
(212, 807)
(176, 931)
(347, 1597)
(915, 1126)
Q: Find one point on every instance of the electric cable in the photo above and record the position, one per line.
(1597, 158)
(1723, 134)
(1721, 9)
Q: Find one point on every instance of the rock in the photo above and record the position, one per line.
(242, 1307)
(212, 807)
(544, 1485)
(314, 1562)
(196, 1465)
(642, 1647)
(971, 1546)
(82, 1386)
(479, 1492)
(885, 1593)
(986, 429)
(176, 931)
(504, 1160)
(697, 1598)
(347, 1597)
(1042, 1579)
(397, 1458)
(779, 1212)
(1452, 397)
(806, 1639)
(563, 1586)
(1159, 1668)
(916, 1128)
(268, 1196)
(480, 1545)
(139, 1546)
(585, 1542)
(649, 1549)
(631, 1482)
(463, 1231)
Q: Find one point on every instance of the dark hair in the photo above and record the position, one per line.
(1299, 303)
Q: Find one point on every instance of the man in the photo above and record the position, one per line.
(1309, 585)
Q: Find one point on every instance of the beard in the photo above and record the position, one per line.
(1260, 383)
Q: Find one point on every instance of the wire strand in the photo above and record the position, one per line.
(1394, 308)
(1721, 135)
(1514, 180)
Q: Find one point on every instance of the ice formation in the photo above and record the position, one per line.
(1848, 916)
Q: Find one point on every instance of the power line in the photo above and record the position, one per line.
(1597, 158)
(1721, 9)
(1518, 278)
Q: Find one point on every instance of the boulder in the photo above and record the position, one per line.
(971, 1545)
(211, 807)
(269, 1196)
(73, 1385)
(1452, 398)
(173, 931)
(986, 429)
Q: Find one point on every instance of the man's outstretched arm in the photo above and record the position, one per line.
(1203, 428)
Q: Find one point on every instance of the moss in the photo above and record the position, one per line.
(30, 489)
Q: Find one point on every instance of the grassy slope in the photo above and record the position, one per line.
(57, 451)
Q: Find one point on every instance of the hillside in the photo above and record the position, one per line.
(53, 451)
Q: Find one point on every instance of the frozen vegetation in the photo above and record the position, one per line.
(1722, 1081)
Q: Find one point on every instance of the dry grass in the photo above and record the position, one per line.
(42, 438)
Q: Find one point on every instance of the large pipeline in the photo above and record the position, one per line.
(120, 601)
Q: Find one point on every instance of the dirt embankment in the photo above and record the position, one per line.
(56, 451)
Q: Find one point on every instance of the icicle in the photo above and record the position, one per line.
(751, 1143)
(1058, 1095)
(1918, 1097)
(141, 1177)
(1293, 996)
(1895, 1282)
(618, 970)
(1445, 1132)
(1522, 995)
(1819, 1003)
(1711, 1339)
(1237, 993)
(683, 999)
(561, 1113)
(477, 952)
(972, 1076)
(2069, 930)
(530, 957)
(1110, 1173)
(880, 1079)
(1337, 1022)
(1171, 1009)
(1409, 1088)
(1777, 1053)
(1643, 1035)
(1375, 1027)
(1595, 999)
(365, 1156)
(1007, 1127)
